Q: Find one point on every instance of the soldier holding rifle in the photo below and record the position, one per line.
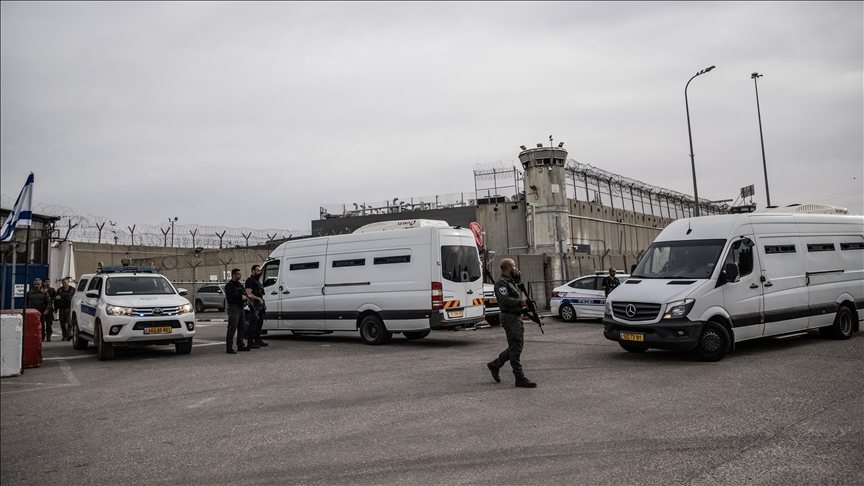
(511, 306)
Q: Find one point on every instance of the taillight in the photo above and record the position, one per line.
(555, 294)
(437, 295)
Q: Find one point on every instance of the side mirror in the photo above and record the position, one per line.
(221, 291)
(182, 291)
(732, 273)
(93, 294)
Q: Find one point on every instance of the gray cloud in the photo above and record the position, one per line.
(256, 114)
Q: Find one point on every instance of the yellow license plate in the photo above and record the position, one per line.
(157, 330)
(493, 301)
(456, 314)
(627, 336)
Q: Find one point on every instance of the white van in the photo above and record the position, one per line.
(707, 283)
(379, 280)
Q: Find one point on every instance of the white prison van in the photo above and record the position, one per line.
(709, 282)
(406, 277)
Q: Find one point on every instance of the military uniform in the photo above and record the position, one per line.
(64, 304)
(510, 303)
(36, 299)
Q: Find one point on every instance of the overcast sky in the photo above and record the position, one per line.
(255, 114)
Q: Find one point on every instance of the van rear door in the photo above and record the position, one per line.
(461, 281)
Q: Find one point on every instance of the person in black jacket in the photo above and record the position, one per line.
(63, 303)
(610, 282)
(37, 299)
(235, 295)
(255, 297)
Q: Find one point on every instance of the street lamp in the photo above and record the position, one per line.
(172, 221)
(690, 135)
(756, 76)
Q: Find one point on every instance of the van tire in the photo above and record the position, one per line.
(104, 351)
(567, 312)
(184, 347)
(372, 331)
(842, 327)
(413, 335)
(494, 320)
(78, 343)
(199, 306)
(713, 344)
(632, 349)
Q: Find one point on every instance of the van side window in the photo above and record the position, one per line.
(393, 259)
(821, 247)
(852, 246)
(303, 266)
(741, 255)
(357, 262)
(779, 249)
(270, 273)
(82, 285)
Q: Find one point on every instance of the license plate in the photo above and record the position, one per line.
(493, 301)
(455, 314)
(628, 336)
(157, 330)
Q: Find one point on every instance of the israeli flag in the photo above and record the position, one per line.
(22, 212)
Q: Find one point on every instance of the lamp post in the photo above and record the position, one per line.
(756, 76)
(172, 221)
(690, 135)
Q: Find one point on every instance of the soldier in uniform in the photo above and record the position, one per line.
(511, 305)
(63, 303)
(37, 299)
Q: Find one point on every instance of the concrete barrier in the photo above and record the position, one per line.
(10, 344)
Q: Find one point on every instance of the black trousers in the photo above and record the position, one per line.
(236, 324)
(515, 341)
(253, 327)
(47, 321)
(65, 325)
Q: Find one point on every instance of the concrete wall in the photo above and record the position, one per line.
(458, 216)
(505, 227)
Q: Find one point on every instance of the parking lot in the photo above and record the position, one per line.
(331, 410)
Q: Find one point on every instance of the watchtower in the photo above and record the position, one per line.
(546, 199)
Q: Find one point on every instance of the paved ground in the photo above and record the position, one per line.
(331, 410)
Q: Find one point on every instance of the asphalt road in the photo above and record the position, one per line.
(331, 410)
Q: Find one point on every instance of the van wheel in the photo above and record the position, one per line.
(372, 331)
(184, 347)
(567, 313)
(713, 343)
(415, 335)
(494, 320)
(104, 351)
(78, 343)
(199, 306)
(632, 349)
(842, 327)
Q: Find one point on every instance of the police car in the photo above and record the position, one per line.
(130, 306)
(582, 297)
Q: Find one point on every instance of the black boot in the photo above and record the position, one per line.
(261, 343)
(523, 382)
(494, 369)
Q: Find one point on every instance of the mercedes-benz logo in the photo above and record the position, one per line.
(631, 310)
(158, 311)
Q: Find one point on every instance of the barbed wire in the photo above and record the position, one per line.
(99, 229)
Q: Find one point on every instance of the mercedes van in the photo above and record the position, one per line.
(707, 283)
(408, 277)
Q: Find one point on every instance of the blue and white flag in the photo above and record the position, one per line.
(22, 212)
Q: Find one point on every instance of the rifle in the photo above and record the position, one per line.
(531, 311)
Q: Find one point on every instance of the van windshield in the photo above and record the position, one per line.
(460, 263)
(680, 259)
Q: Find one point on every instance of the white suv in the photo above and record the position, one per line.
(130, 306)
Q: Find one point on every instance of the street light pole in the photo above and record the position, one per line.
(690, 135)
(756, 76)
(172, 230)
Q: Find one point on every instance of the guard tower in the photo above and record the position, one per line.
(546, 199)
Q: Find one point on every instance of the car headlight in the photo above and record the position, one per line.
(113, 310)
(185, 308)
(678, 309)
(608, 309)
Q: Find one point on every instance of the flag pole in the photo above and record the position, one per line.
(24, 301)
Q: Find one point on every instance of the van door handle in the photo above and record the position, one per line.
(754, 286)
(769, 284)
(286, 292)
(274, 293)
(470, 292)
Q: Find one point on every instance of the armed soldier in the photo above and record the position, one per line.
(511, 306)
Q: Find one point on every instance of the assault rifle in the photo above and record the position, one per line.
(531, 311)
